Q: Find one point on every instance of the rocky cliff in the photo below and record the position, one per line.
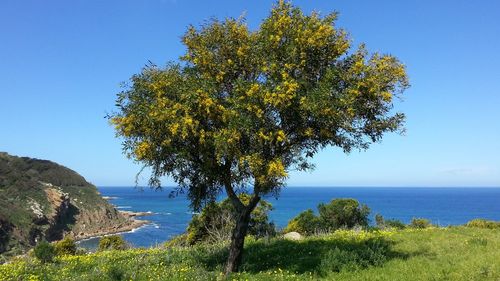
(40, 199)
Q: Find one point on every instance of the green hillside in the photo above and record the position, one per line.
(41, 200)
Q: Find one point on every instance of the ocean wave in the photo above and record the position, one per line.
(124, 207)
(137, 228)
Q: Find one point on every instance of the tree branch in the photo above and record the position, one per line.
(230, 191)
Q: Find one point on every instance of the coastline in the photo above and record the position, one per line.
(131, 225)
(103, 234)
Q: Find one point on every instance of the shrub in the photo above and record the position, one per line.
(482, 223)
(115, 272)
(81, 251)
(343, 213)
(392, 223)
(113, 242)
(379, 220)
(420, 223)
(372, 252)
(44, 251)
(306, 223)
(177, 241)
(67, 246)
(339, 213)
(216, 222)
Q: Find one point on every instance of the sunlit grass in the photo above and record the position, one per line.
(457, 253)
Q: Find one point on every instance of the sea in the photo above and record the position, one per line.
(443, 206)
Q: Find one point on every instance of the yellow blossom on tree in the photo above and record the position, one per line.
(243, 106)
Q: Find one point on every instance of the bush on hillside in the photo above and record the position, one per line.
(381, 222)
(420, 223)
(67, 246)
(177, 241)
(482, 223)
(216, 222)
(393, 223)
(343, 213)
(339, 213)
(44, 251)
(306, 223)
(113, 242)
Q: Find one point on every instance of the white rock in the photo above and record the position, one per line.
(292, 236)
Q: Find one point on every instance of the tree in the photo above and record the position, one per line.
(343, 213)
(305, 223)
(242, 107)
(339, 213)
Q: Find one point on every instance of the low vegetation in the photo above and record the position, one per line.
(112, 242)
(452, 253)
(44, 252)
(482, 223)
(342, 213)
(67, 246)
(383, 223)
(420, 223)
(339, 244)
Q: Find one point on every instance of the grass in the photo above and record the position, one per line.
(455, 253)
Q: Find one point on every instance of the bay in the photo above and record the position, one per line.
(443, 206)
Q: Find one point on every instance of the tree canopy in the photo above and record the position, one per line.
(243, 107)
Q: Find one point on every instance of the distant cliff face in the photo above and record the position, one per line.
(40, 199)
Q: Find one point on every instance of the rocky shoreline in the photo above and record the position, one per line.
(131, 224)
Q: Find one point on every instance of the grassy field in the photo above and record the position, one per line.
(455, 253)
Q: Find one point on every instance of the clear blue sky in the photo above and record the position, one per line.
(61, 63)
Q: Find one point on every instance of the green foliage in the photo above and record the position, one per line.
(67, 246)
(116, 273)
(454, 253)
(339, 213)
(395, 224)
(343, 213)
(381, 222)
(216, 222)
(420, 223)
(44, 251)
(482, 223)
(24, 183)
(112, 242)
(306, 223)
(243, 107)
(177, 241)
(370, 253)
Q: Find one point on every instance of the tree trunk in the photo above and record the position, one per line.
(237, 241)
